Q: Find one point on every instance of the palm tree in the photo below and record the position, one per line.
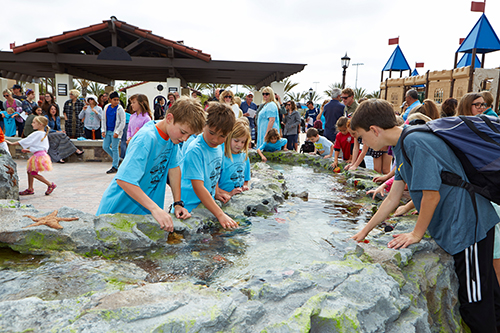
(296, 97)
(311, 97)
(213, 86)
(96, 88)
(249, 87)
(288, 85)
(197, 86)
(83, 85)
(374, 94)
(359, 93)
(330, 88)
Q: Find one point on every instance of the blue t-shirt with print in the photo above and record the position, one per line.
(268, 146)
(201, 162)
(10, 123)
(452, 225)
(234, 173)
(148, 159)
(111, 118)
(323, 144)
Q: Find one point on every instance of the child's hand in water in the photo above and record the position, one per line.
(264, 159)
(360, 236)
(380, 189)
(237, 190)
(245, 188)
(164, 219)
(226, 222)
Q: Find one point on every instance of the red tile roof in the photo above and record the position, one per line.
(133, 85)
(147, 34)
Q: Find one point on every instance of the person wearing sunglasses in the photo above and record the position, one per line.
(227, 97)
(348, 99)
(11, 102)
(268, 116)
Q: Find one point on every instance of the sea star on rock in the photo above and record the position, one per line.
(10, 172)
(50, 220)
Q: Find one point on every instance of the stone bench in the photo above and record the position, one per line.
(93, 151)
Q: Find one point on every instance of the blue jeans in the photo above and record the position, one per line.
(113, 151)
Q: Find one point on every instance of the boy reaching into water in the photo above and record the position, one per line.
(322, 145)
(446, 211)
(201, 168)
(140, 184)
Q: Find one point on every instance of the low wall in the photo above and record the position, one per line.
(93, 151)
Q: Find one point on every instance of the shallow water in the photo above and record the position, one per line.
(301, 232)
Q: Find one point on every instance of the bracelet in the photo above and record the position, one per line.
(178, 203)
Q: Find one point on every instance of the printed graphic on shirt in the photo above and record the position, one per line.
(215, 166)
(158, 171)
(238, 176)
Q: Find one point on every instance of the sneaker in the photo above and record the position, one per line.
(50, 189)
(27, 192)
(112, 170)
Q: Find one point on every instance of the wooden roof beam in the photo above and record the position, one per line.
(94, 42)
(135, 43)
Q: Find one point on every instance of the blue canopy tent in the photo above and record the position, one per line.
(466, 60)
(481, 39)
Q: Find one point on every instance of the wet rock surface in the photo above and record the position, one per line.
(371, 289)
(9, 181)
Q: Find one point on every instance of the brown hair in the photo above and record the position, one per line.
(187, 110)
(293, 106)
(46, 105)
(312, 132)
(465, 105)
(240, 129)
(428, 108)
(143, 103)
(220, 117)
(348, 91)
(272, 134)
(342, 121)
(449, 107)
(57, 110)
(373, 112)
(488, 97)
(226, 93)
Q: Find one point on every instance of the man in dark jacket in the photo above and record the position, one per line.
(332, 112)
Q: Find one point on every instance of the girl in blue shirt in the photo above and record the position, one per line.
(9, 121)
(272, 143)
(235, 170)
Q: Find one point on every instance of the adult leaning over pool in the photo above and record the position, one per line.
(268, 116)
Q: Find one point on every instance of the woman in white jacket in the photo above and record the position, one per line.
(112, 124)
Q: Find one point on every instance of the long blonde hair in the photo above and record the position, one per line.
(42, 120)
(240, 129)
(271, 95)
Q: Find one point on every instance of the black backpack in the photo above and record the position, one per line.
(307, 147)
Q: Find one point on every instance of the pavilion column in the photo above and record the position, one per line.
(257, 97)
(279, 88)
(173, 85)
(6, 84)
(64, 83)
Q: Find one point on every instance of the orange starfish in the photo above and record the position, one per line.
(50, 220)
(10, 172)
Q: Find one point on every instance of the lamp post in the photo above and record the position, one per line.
(311, 93)
(357, 65)
(345, 63)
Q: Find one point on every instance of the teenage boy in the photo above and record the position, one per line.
(446, 211)
(139, 186)
(202, 163)
(112, 125)
(322, 145)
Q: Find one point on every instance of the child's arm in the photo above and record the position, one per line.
(380, 189)
(331, 152)
(284, 141)
(404, 209)
(385, 177)
(430, 200)
(136, 193)
(223, 195)
(206, 199)
(245, 186)
(335, 159)
(360, 158)
(387, 207)
(264, 159)
(13, 143)
(174, 176)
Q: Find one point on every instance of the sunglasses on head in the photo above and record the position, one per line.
(266, 94)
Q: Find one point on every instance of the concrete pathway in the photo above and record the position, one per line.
(79, 185)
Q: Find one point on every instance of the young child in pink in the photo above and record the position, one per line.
(142, 114)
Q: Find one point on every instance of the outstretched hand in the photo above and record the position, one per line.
(403, 240)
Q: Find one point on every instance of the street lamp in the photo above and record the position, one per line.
(311, 93)
(345, 63)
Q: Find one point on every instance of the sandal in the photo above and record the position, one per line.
(50, 189)
(80, 153)
(27, 192)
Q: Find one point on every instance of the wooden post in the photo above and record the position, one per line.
(426, 85)
(386, 89)
(452, 81)
(482, 60)
(382, 77)
(390, 73)
(471, 70)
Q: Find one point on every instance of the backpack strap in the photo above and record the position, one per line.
(479, 133)
(488, 122)
(406, 132)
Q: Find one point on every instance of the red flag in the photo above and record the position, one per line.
(477, 6)
(393, 41)
(12, 45)
(461, 41)
(419, 64)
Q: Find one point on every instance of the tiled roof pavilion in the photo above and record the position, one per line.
(116, 50)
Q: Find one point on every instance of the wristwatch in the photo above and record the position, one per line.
(178, 203)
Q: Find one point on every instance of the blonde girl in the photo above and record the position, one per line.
(272, 142)
(37, 143)
(235, 170)
(142, 114)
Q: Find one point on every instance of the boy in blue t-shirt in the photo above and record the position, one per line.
(140, 184)
(446, 211)
(322, 145)
(201, 167)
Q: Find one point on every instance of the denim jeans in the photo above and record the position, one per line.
(113, 151)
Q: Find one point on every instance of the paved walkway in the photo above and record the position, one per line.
(79, 185)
